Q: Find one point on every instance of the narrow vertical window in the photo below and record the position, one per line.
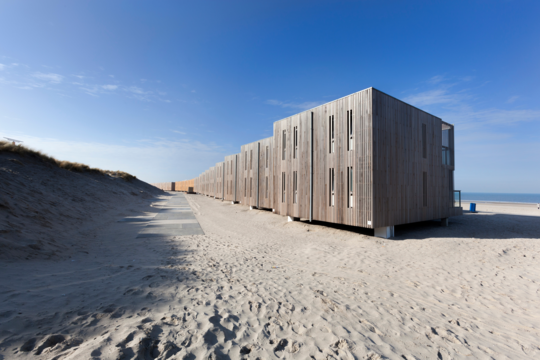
(250, 187)
(424, 187)
(351, 131)
(266, 156)
(295, 149)
(331, 184)
(331, 133)
(282, 187)
(284, 139)
(295, 187)
(245, 160)
(350, 187)
(424, 141)
(245, 187)
(250, 159)
(267, 187)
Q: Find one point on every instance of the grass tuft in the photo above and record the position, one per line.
(8, 147)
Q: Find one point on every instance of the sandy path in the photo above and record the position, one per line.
(255, 286)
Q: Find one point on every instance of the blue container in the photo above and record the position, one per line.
(473, 207)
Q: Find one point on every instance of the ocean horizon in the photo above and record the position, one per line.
(501, 197)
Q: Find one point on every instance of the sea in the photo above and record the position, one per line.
(501, 197)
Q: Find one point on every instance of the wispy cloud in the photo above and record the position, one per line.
(136, 90)
(21, 78)
(512, 99)
(436, 79)
(492, 117)
(294, 105)
(433, 97)
(50, 77)
(178, 132)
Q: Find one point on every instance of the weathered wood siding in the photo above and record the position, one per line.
(399, 164)
(266, 188)
(219, 183)
(231, 163)
(248, 174)
(290, 160)
(167, 186)
(377, 142)
(297, 159)
(184, 185)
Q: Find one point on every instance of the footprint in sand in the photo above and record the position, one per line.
(255, 307)
(285, 345)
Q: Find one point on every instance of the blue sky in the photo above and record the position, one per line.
(165, 89)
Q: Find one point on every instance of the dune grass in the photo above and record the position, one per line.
(8, 147)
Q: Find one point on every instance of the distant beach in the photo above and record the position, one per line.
(501, 197)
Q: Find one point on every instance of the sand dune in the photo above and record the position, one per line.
(257, 287)
(49, 212)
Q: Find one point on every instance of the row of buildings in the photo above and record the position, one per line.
(367, 160)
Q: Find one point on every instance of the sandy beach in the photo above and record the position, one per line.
(256, 286)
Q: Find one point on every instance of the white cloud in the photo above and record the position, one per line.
(110, 87)
(2, 66)
(50, 77)
(492, 117)
(292, 105)
(178, 132)
(432, 97)
(136, 90)
(512, 99)
(436, 79)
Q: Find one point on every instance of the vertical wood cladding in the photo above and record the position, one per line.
(265, 173)
(230, 177)
(374, 148)
(407, 142)
(218, 175)
(184, 185)
(248, 174)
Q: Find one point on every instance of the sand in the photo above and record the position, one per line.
(50, 213)
(258, 287)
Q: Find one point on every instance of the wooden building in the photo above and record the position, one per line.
(367, 159)
(265, 188)
(219, 180)
(184, 185)
(249, 170)
(231, 174)
(167, 186)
